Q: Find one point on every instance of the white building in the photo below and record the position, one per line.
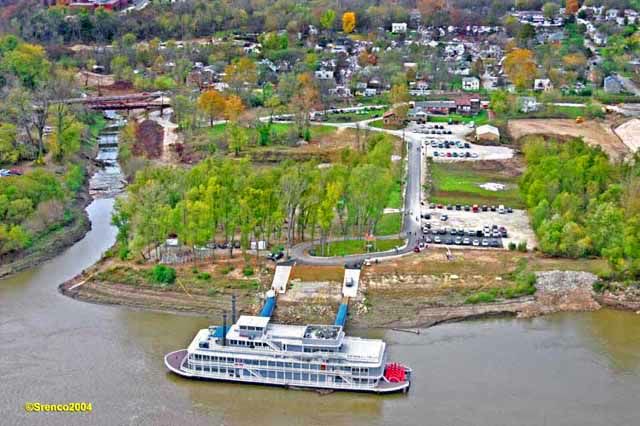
(323, 74)
(399, 27)
(542, 84)
(487, 133)
(470, 84)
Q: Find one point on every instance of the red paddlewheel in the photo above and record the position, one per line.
(394, 373)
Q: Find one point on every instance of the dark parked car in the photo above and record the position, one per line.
(275, 256)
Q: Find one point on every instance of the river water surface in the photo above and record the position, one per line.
(566, 369)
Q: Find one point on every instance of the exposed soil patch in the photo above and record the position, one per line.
(594, 132)
(629, 132)
(149, 139)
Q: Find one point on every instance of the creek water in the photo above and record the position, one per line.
(565, 369)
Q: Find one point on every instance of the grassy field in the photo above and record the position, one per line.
(348, 247)
(277, 129)
(479, 120)
(456, 183)
(395, 196)
(389, 224)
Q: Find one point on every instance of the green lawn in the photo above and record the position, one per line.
(481, 118)
(389, 224)
(348, 247)
(457, 184)
(395, 196)
(278, 129)
(377, 123)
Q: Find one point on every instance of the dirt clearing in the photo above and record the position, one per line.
(593, 132)
(629, 132)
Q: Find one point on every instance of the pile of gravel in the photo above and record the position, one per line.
(564, 281)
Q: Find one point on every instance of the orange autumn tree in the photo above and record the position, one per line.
(430, 7)
(572, 7)
(233, 108)
(348, 22)
(212, 104)
(306, 98)
(520, 66)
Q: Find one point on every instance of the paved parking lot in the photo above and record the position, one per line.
(458, 133)
(516, 223)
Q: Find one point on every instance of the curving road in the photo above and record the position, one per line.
(412, 199)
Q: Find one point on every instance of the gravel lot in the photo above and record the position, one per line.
(517, 223)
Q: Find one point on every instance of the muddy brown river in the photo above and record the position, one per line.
(567, 369)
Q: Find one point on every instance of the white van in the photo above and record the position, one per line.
(501, 209)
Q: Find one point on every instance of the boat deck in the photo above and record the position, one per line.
(174, 362)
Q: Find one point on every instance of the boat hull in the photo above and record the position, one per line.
(174, 361)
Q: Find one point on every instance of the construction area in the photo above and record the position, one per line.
(594, 132)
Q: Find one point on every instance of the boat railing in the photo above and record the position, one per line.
(309, 355)
(281, 381)
(328, 370)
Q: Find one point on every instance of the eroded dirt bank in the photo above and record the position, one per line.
(387, 300)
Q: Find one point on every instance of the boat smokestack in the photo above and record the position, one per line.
(224, 328)
(233, 308)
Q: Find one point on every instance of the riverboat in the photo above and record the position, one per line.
(322, 357)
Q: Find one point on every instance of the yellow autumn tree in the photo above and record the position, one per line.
(348, 22)
(212, 104)
(520, 66)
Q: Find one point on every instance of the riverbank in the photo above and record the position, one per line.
(390, 296)
(52, 244)
(47, 246)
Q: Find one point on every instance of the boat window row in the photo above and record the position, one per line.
(283, 375)
(248, 343)
(356, 371)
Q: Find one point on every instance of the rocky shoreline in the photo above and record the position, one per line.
(557, 291)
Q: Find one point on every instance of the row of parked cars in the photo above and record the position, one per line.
(10, 172)
(489, 236)
(434, 129)
(493, 231)
(455, 154)
(463, 241)
(467, 208)
(449, 144)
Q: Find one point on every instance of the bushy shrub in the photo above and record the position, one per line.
(74, 178)
(512, 246)
(522, 246)
(481, 297)
(203, 276)
(163, 274)
(247, 271)
(600, 286)
(123, 252)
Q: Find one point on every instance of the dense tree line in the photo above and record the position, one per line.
(200, 18)
(583, 205)
(229, 200)
(34, 204)
(40, 138)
